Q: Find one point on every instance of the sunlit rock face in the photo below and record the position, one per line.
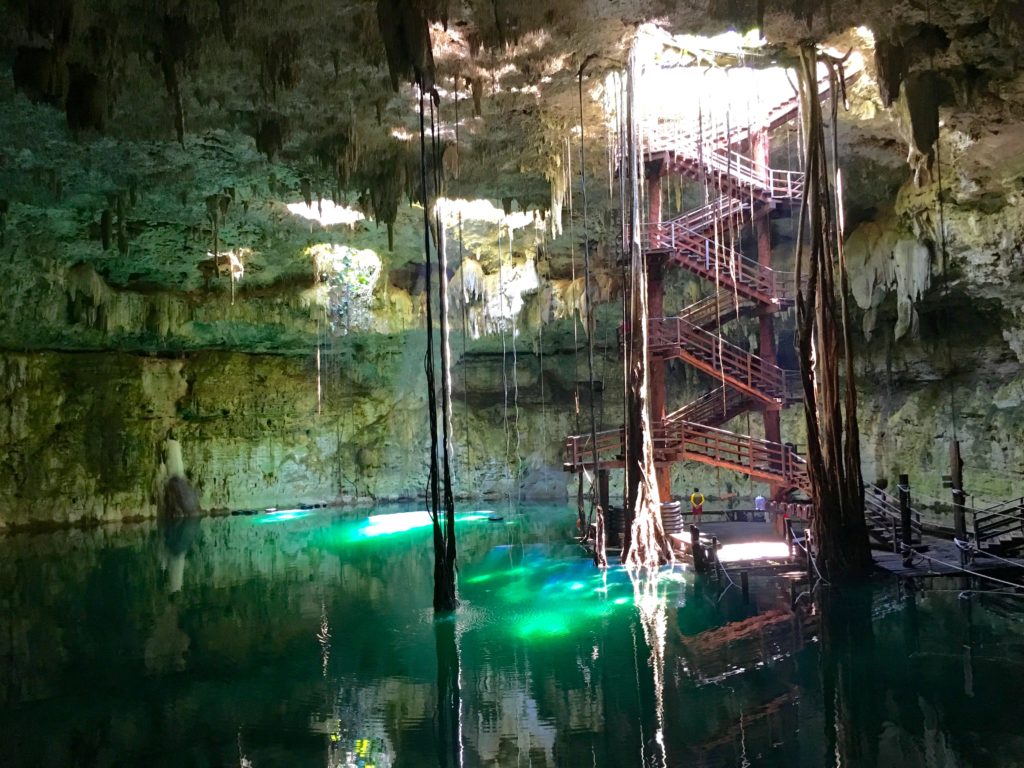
(211, 232)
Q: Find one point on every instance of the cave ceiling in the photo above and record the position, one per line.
(137, 135)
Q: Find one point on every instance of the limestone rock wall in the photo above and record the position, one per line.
(83, 434)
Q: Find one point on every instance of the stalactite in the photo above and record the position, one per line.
(122, 225)
(477, 87)
(278, 54)
(173, 52)
(833, 440)
(270, 135)
(406, 35)
(106, 228)
(86, 103)
(213, 214)
(228, 13)
(559, 184)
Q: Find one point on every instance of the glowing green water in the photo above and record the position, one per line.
(306, 638)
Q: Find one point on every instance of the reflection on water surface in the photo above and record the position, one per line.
(306, 638)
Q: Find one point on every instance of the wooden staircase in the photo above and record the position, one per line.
(699, 242)
(680, 440)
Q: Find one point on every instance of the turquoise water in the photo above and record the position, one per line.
(307, 639)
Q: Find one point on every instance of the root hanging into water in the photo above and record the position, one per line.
(833, 439)
(650, 602)
(648, 545)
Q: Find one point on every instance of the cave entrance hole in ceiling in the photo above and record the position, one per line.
(326, 213)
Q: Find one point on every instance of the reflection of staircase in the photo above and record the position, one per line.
(702, 242)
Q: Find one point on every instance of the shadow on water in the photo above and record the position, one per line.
(846, 659)
(308, 639)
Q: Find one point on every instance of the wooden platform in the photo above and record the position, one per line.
(942, 558)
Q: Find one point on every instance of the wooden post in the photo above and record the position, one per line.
(581, 516)
(696, 551)
(809, 561)
(906, 533)
(956, 472)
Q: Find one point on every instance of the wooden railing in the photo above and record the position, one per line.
(688, 441)
(695, 251)
(715, 408)
(775, 184)
(719, 213)
(713, 309)
(992, 524)
(884, 518)
(674, 337)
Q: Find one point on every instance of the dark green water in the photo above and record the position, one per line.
(308, 640)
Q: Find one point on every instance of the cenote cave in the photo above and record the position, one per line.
(567, 383)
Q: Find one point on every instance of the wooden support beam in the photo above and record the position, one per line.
(906, 534)
(956, 472)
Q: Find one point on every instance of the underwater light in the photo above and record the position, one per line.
(283, 515)
(400, 522)
(544, 625)
(396, 522)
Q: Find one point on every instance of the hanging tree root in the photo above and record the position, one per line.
(648, 545)
(830, 409)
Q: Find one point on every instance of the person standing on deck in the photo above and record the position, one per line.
(696, 504)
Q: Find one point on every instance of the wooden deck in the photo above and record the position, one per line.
(942, 558)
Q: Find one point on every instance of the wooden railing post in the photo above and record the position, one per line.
(699, 564)
(905, 529)
(956, 466)
(808, 560)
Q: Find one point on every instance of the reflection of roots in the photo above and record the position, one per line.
(650, 603)
(752, 717)
(742, 644)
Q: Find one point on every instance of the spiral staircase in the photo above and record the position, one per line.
(748, 190)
